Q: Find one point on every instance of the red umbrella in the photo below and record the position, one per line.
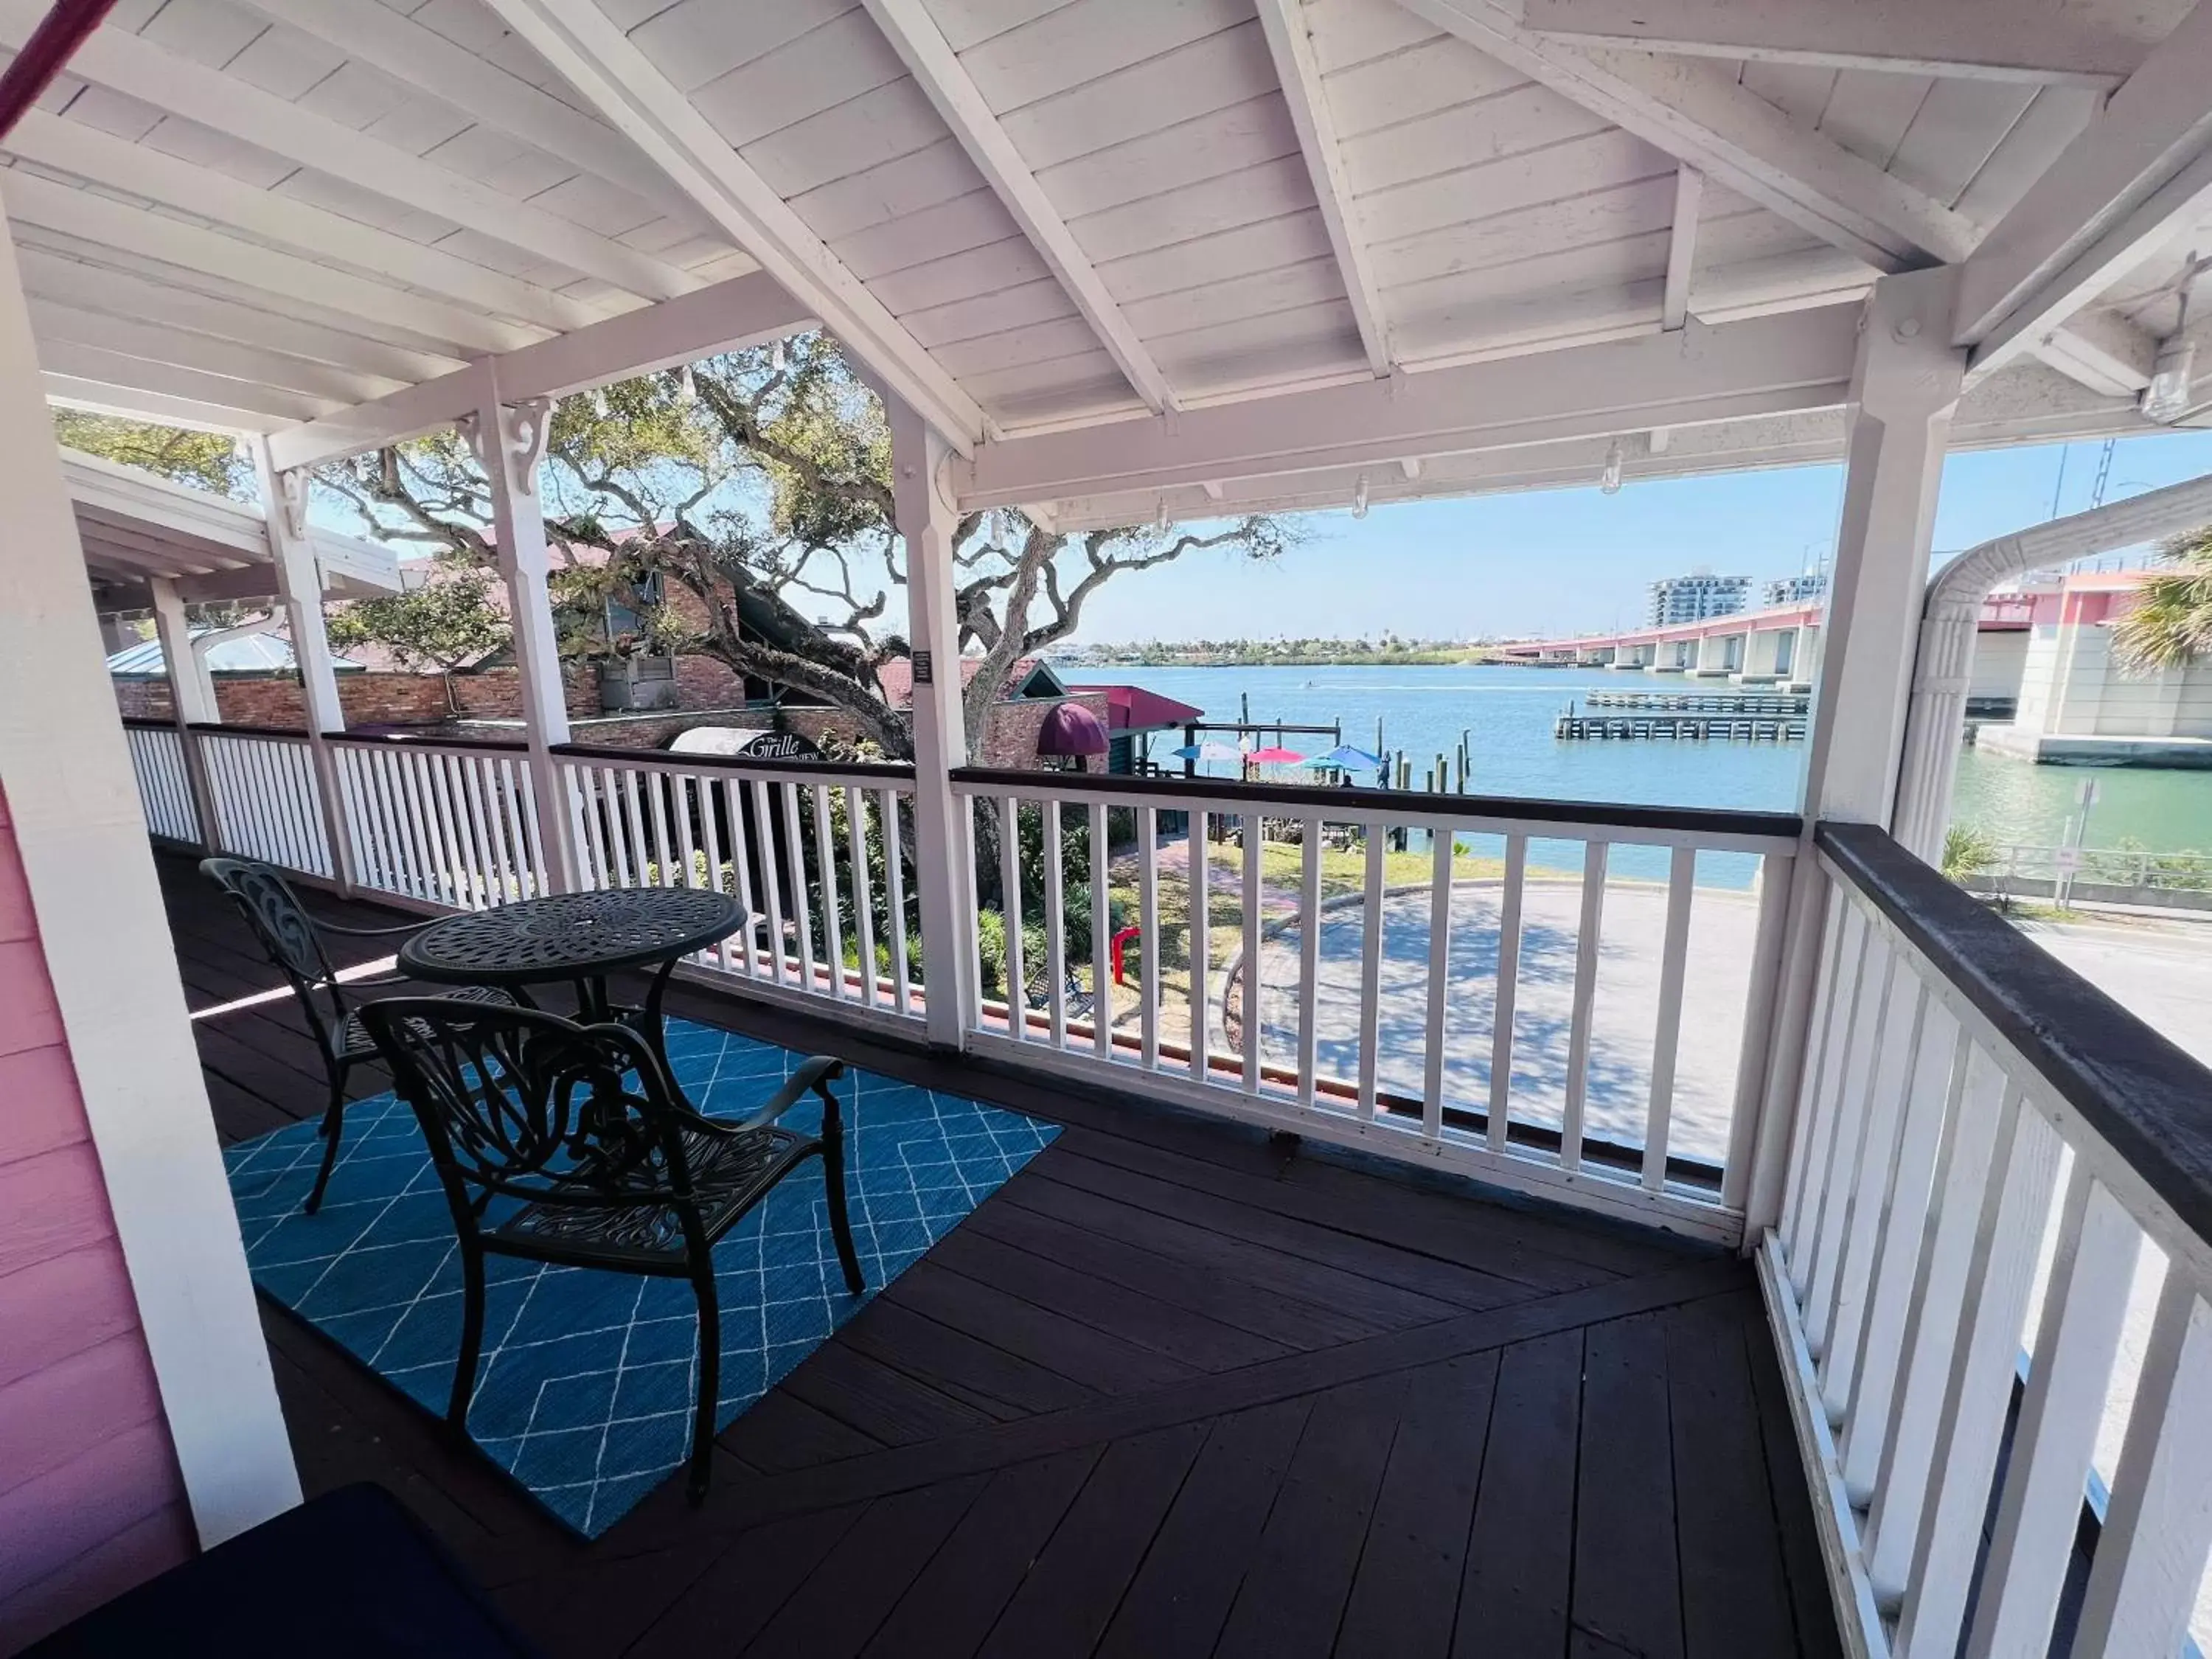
(1275, 757)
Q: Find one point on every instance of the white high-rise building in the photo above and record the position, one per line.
(1810, 588)
(1695, 596)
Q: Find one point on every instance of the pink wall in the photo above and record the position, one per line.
(90, 1501)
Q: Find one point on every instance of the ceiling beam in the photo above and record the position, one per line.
(2103, 351)
(108, 223)
(591, 53)
(1986, 39)
(129, 63)
(72, 281)
(1697, 113)
(1682, 247)
(2138, 176)
(1796, 361)
(420, 57)
(131, 337)
(117, 368)
(1296, 67)
(101, 158)
(136, 404)
(744, 311)
(937, 69)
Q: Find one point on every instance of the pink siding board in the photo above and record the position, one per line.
(130, 1557)
(90, 1499)
(63, 1306)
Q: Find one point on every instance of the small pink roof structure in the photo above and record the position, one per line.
(897, 678)
(1133, 708)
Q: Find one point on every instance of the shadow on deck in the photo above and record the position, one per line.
(1173, 1389)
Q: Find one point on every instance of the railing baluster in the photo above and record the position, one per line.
(656, 789)
(1853, 1109)
(482, 772)
(2040, 1508)
(1010, 912)
(638, 867)
(741, 870)
(1769, 942)
(1148, 922)
(1666, 1032)
(418, 827)
(894, 882)
(687, 843)
(1055, 939)
(1254, 848)
(1308, 957)
(602, 829)
(2143, 1577)
(1978, 1393)
(710, 832)
(1879, 1367)
(1509, 979)
(802, 906)
(1371, 970)
(1834, 999)
(1102, 940)
(764, 827)
(1440, 929)
(1200, 886)
(825, 860)
(1578, 1038)
(864, 897)
(468, 867)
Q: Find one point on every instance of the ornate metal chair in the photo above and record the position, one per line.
(292, 940)
(571, 1144)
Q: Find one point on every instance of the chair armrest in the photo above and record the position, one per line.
(817, 1072)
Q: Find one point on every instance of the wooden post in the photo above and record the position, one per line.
(192, 700)
(1904, 385)
(102, 947)
(300, 586)
(509, 442)
(942, 855)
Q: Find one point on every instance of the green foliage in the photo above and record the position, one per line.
(2171, 624)
(205, 460)
(1968, 851)
(448, 621)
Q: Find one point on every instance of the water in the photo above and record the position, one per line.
(1508, 714)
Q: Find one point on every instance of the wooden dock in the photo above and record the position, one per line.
(1753, 704)
(1690, 728)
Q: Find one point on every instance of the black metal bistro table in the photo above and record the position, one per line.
(577, 939)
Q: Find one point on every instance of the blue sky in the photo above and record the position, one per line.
(1560, 561)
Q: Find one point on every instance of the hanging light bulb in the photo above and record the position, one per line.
(1359, 499)
(778, 359)
(1162, 521)
(1608, 480)
(687, 389)
(599, 404)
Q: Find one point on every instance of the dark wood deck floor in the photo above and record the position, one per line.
(1174, 1389)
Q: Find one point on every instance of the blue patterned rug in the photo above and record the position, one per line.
(585, 1392)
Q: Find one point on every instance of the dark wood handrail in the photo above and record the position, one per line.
(2150, 1100)
(401, 739)
(1321, 800)
(227, 729)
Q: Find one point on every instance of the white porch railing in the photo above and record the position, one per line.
(1519, 1017)
(817, 855)
(1990, 1283)
(267, 805)
(165, 785)
(450, 824)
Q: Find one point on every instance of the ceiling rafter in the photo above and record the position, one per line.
(1982, 39)
(138, 68)
(937, 69)
(1291, 47)
(591, 53)
(101, 158)
(1699, 114)
(120, 368)
(104, 221)
(133, 337)
(1682, 247)
(420, 57)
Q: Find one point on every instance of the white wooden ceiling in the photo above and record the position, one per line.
(255, 213)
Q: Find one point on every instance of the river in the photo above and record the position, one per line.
(1507, 714)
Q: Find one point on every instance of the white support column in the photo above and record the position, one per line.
(942, 852)
(192, 699)
(104, 935)
(509, 442)
(300, 586)
(1905, 384)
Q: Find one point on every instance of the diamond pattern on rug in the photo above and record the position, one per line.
(584, 1394)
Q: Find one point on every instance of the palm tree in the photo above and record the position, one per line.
(2171, 625)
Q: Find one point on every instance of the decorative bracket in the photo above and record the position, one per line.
(524, 429)
(292, 487)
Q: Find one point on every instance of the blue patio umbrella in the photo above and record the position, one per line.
(1350, 759)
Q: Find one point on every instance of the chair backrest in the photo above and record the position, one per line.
(517, 1103)
(286, 931)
